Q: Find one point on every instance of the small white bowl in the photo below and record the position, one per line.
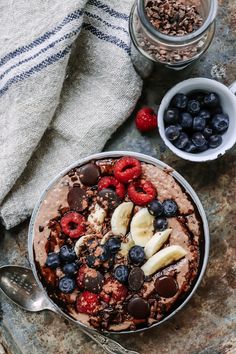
(228, 103)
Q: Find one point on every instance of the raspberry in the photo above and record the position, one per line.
(146, 120)
(113, 291)
(81, 276)
(111, 182)
(126, 169)
(73, 224)
(88, 303)
(142, 192)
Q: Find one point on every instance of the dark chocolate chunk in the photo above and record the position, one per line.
(93, 282)
(166, 286)
(41, 228)
(89, 174)
(77, 199)
(139, 308)
(136, 279)
(108, 198)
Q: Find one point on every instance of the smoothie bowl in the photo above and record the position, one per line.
(119, 242)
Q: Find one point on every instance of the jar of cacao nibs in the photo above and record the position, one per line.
(174, 33)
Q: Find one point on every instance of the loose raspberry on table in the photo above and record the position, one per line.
(81, 276)
(73, 224)
(113, 291)
(88, 303)
(142, 192)
(112, 182)
(146, 120)
(127, 169)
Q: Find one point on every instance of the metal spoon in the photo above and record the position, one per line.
(19, 285)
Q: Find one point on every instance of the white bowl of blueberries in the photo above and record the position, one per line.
(197, 119)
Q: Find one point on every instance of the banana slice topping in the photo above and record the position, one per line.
(156, 242)
(121, 218)
(141, 227)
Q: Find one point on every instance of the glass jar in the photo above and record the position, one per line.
(175, 52)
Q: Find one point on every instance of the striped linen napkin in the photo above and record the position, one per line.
(66, 84)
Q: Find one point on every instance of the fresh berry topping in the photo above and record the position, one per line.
(170, 208)
(113, 245)
(104, 253)
(121, 273)
(70, 268)
(136, 255)
(108, 199)
(127, 169)
(160, 224)
(90, 260)
(207, 132)
(67, 254)
(89, 174)
(53, 260)
(182, 141)
(179, 101)
(146, 120)
(81, 276)
(204, 114)
(199, 124)
(113, 291)
(186, 120)
(198, 139)
(67, 284)
(93, 281)
(73, 224)
(155, 208)
(203, 147)
(190, 148)
(220, 123)
(171, 116)
(215, 141)
(211, 100)
(110, 182)
(88, 303)
(194, 107)
(172, 132)
(142, 192)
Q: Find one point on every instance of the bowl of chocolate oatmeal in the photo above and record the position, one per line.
(118, 242)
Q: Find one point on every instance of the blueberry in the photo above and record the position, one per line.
(113, 244)
(194, 107)
(198, 139)
(179, 127)
(160, 224)
(207, 132)
(136, 255)
(104, 256)
(199, 123)
(211, 100)
(155, 208)
(203, 148)
(67, 254)
(190, 148)
(182, 141)
(204, 114)
(215, 141)
(198, 96)
(121, 273)
(67, 284)
(172, 132)
(171, 116)
(170, 208)
(179, 101)
(220, 123)
(90, 259)
(186, 120)
(53, 260)
(70, 268)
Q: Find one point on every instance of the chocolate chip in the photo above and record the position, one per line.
(93, 282)
(108, 198)
(138, 308)
(89, 174)
(77, 199)
(166, 286)
(136, 279)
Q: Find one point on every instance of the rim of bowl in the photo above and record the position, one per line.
(143, 158)
(213, 155)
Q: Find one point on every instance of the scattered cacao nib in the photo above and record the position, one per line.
(41, 228)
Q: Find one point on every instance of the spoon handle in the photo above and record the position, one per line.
(108, 345)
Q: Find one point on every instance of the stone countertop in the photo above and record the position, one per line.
(207, 325)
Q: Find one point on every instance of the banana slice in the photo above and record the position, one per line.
(97, 217)
(121, 218)
(156, 242)
(141, 227)
(79, 244)
(163, 258)
(125, 247)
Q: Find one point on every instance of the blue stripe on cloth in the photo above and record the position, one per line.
(108, 9)
(43, 50)
(106, 37)
(88, 14)
(71, 17)
(49, 61)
